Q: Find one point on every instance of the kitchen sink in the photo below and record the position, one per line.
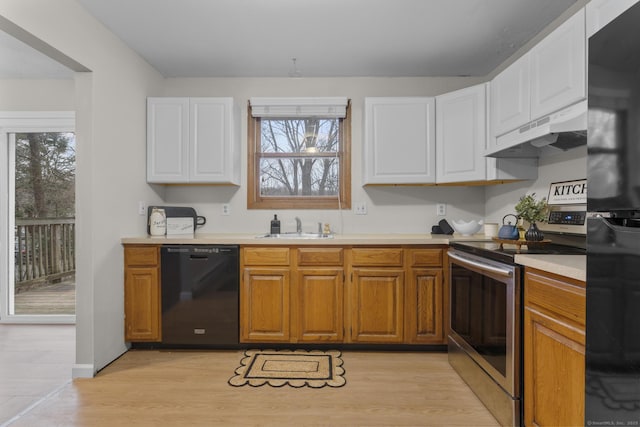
(295, 236)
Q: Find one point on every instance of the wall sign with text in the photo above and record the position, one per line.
(568, 192)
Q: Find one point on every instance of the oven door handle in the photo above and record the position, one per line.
(482, 266)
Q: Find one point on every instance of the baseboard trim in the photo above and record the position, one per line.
(82, 371)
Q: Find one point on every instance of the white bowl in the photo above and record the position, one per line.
(467, 228)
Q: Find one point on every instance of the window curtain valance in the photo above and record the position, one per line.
(299, 107)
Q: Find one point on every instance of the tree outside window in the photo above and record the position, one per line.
(298, 163)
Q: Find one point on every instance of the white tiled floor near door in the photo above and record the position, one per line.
(35, 360)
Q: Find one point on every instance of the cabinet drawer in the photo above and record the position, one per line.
(265, 256)
(141, 255)
(564, 298)
(425, 257)
(392, 257)
(320, 256)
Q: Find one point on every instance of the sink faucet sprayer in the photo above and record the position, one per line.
(298, 225)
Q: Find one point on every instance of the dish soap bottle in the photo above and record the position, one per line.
(275, 225)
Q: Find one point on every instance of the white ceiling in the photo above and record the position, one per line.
(328, 38)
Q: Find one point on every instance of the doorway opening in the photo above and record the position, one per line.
(44, 223)
(37, 219)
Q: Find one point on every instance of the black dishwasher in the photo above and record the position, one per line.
(200, 296)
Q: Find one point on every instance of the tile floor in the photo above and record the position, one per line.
(35, 360)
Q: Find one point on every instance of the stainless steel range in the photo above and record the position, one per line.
(485, 338)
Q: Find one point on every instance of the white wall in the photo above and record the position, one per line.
(110, 125)
(390, 209)
(565, 166)
(36, 95)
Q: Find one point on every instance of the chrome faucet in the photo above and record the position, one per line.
(298, 225)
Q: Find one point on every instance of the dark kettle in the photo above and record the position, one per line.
(508, 231)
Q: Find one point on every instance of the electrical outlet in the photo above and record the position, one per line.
(361, 208)
(225, 209)
(142, 208)
(441, 209)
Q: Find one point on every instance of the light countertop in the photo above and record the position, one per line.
(573, 266)
(338, 239)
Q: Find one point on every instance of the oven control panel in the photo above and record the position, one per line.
(570, 219)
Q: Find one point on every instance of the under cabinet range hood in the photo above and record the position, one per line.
(559, 131)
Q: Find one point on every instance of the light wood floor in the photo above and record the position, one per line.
(180, 388)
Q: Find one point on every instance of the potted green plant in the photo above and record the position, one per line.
(532, 211)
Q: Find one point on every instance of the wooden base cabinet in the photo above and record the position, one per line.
(265, 305)
(393, 295)
(290, 295)
(319, 305)
(142, 307)
(554, 349)
(425, 298)
(377, 306)
(265, 295)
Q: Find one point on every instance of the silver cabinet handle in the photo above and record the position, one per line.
(482, 266)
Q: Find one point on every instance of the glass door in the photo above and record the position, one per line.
(41, 220)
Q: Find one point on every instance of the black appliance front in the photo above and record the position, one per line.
(613, 322)
(612, 379)
(200, 295)
(484, 340)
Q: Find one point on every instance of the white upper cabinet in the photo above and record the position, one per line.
(399, 141)
(167, 140)
(601, 12)
(558, 68)
(461, 140)
(551, 76)
(191, 140)
(461, 123)
(511, 97)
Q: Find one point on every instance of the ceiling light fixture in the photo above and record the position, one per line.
(294, 71)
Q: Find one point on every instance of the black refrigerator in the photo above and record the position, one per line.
(612, 381)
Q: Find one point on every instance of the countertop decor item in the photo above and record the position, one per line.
(297, 368)
(467, 228)
(508, 231)
(532, 211)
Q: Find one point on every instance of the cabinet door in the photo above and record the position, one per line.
(320, 308)
(167, 140)
(265, 303)
(399, 141)
(142, 304)
(511, 98)
(211, 151)
(377, 305)
(558, 68)
(461, 135)
(601, 12)
(424, 307)
(554, 350)
(554, 371)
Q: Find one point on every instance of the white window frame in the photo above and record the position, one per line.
(12, 122)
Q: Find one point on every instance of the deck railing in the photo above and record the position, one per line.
(44, 251)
